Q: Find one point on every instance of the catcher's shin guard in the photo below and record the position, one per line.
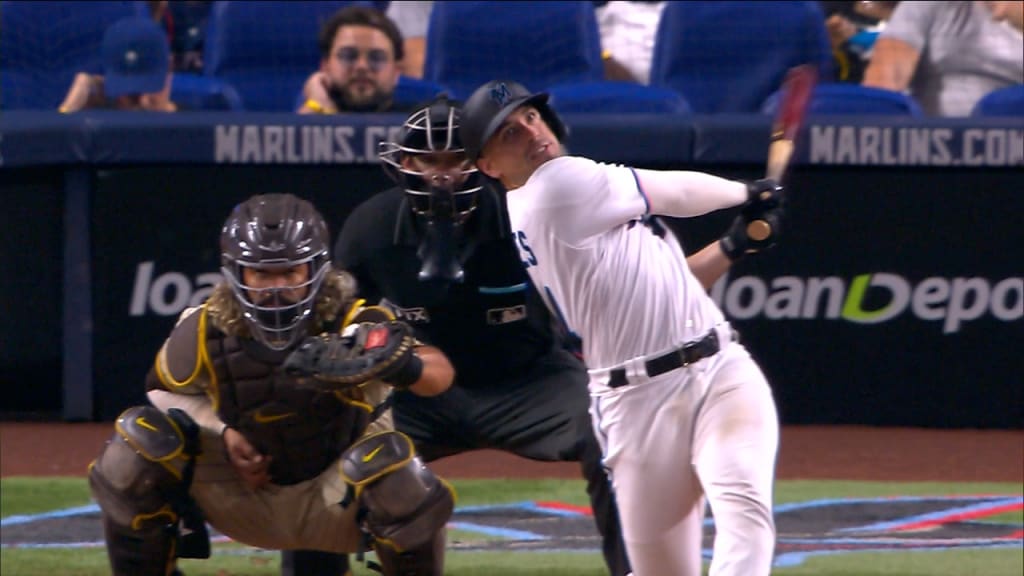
(140, 480)
(406, 504)
(427, 560)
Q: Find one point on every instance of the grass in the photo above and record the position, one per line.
(34, 495)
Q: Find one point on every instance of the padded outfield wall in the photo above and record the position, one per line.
(894, 299)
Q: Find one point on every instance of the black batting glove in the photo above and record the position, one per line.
(765, 194)
(758, 226)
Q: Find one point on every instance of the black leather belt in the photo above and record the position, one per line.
(683, 356)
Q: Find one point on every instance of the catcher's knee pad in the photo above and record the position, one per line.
(139, 479)
(406, 504)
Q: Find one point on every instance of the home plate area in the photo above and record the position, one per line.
(804, 529)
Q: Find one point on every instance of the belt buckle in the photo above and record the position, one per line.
(684, 353)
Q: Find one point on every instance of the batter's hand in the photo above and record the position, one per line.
(250, 464)
(759, 223)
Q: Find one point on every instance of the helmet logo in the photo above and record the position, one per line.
(500, 94)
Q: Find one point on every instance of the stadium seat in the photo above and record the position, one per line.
(728, 57)
(412, 91)
(194, 92)
(616, 98)
(1003, 102)
(538, 44)
(266, 50)
(44, 44)
(845, 98)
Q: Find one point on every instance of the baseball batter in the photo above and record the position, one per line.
(682, 410)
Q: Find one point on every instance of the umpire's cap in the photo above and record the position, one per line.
(491, 103)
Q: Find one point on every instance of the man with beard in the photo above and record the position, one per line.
(360, 52)
(269, 457)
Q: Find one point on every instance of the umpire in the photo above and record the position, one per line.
(437, 249)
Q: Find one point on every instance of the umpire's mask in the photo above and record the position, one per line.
(441, 185)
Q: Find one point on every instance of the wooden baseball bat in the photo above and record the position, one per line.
(796, 95)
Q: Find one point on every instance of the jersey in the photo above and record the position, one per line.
(965, 53)
(585, 238)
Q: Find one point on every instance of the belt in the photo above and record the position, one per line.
(683, 356)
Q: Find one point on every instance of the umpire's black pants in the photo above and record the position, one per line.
(540, 415)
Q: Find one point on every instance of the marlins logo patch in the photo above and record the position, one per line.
(506, 315)
(500, 94)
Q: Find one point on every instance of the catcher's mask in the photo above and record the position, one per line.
(272, 233)
(428, 161)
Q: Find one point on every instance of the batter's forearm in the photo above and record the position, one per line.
(685, 193)
(709, 264)
(198, 407)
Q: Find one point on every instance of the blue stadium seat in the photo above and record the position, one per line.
(412, 91)
(616, 98)
(195, 92)
(44, 44)
(539, 44)
(729, 57)
(1003, 102)
(845, 98)
(266, 50)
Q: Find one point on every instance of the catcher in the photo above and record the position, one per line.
(278, 438)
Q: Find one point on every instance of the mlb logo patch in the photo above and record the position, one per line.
(506, 315)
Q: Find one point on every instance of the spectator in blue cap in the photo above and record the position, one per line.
(136, 71)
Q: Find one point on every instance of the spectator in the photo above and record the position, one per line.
(360, 52)
(948, 55)
(412, 19)
(185, 24)
(136, 71)
(628, 32)
(853, 28)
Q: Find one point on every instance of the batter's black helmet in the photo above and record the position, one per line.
(491, 103)
(275, 230)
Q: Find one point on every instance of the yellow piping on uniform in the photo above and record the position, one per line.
(203, 355)
(352, 311)
(165, 511)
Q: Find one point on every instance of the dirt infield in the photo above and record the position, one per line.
(819, 452)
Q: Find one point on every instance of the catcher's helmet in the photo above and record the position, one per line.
(491, 103)
(275, 230)
(433, 129)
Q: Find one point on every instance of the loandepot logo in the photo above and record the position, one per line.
(872, 298)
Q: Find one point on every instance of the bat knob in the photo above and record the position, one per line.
(759, 230)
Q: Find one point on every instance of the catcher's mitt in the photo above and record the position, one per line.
(365, 351)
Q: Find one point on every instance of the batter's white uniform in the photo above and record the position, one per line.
(709, 429)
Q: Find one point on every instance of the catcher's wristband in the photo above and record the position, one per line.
(406, 375)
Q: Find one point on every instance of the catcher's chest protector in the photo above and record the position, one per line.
(303, 429)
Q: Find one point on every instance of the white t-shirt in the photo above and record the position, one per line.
(965, 53)
(607, 275)
(628, 31)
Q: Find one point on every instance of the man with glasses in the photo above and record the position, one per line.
(360, 52)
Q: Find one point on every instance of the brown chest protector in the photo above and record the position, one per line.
(303, 429)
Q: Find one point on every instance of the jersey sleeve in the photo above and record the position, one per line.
(582, 198)
(910, 22)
